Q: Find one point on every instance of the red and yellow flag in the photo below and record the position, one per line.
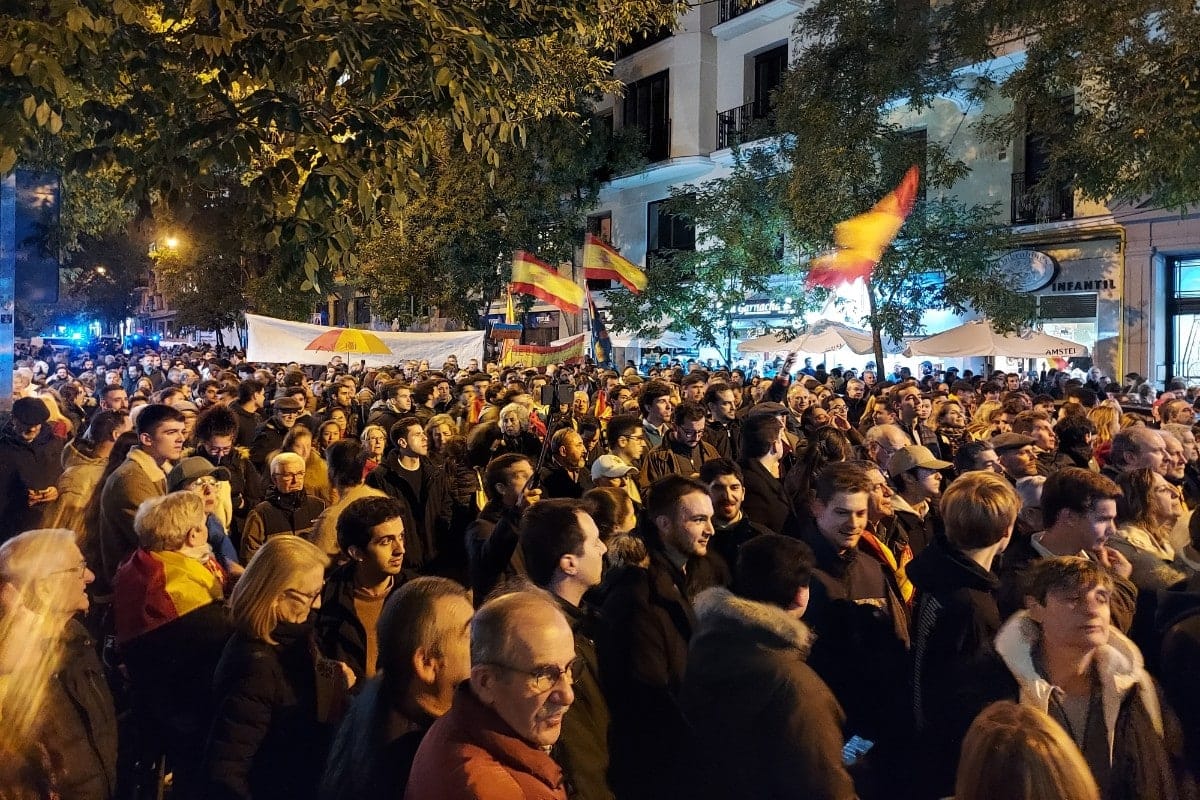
(535, 277)
(860, 241)
(564, 351)
(602, 262)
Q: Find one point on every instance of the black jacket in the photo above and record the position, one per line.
(854, 609)
(726, 541)
(582, 749)
(78, 723)
(556, 482)
(266, 740)
(429, 506)
(492, 552)
(340, 633)
(766, 502)
(24, 466)
(956, 670)
(292, 513)
(268, 438)
(764, 725)
(247, 424)
(725, 437)
(649, 620)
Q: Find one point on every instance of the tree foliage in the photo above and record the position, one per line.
(1130, 70)
(328, 112)
(858, 61)
(453, 248)
(740, 234)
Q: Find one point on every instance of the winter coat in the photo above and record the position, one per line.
(492, 552)
(293, 513)
(266, 739)
(24, 466)
(956, 670)
(582, 749)
(80, 477)
(766, 502)
(1179, 663)
(764, 725)
(854, 609)
(472, 754)
(340, 634)
(674, 458)
(1143, 737)
(429, 508)
(267, 439)
(649, 621)
(247, 424)
(135, 481)
(78, 723)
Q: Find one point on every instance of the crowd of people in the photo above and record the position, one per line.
(231, 580)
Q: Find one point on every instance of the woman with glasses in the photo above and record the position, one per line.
(275, 695)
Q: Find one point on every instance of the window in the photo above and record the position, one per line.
(642, 40)
(362, 311)
(1183, 318)
(646, 107)
(769, 68)
(1034, 203)
(665, 231)
(600, 226)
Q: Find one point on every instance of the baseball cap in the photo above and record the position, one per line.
(189, 469)
(1009, 441)
(610, 466)
(913, 456)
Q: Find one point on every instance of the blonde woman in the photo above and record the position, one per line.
(1107, 419)
(275, 696)
(1016, 752)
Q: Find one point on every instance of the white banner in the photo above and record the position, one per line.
(280, 341)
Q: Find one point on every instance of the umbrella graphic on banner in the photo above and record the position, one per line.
(349, 340)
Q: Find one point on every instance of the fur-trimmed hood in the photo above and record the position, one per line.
(1120, 665)
(720, 609)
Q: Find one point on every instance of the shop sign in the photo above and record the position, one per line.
(1028, 270)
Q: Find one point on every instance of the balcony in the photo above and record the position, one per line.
(736, 17)
(748, 122)
(1031, 205)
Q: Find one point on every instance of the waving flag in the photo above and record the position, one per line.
(535, 277)
(601, 344)
(602, 262)
(860, 241)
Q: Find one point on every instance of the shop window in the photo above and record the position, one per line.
(666, 231)
(1183, 318)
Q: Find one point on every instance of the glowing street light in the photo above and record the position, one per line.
(170, 242)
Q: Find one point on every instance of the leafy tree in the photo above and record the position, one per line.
(1132, 70)
(860, 58)
(741, 226)
(328, 112)
(106, 273)
(453, 248)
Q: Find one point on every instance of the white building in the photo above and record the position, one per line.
(1124, 282)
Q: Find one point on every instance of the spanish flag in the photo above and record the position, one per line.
(535, 277)
(602, 262)
(860, 241)
(563, 351)
(153, 588)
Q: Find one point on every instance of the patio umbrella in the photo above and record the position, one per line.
(822, 337)
(349, 340)
(977, 338)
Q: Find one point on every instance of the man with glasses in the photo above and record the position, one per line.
(564, 555)
(287, 509)
(408, 475)
(269, 436)
(683, 450)
(72, 721)
(506, 718)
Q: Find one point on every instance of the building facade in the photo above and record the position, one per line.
(1123, 281)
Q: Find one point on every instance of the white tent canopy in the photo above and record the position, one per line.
(977, 338)
(666, 339)
(822, 337)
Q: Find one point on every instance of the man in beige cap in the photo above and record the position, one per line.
(916, 474)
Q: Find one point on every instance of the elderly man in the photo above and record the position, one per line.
(1135, 448)
(884, 440)
(493, 741)
(287, 509)
(71, 723)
